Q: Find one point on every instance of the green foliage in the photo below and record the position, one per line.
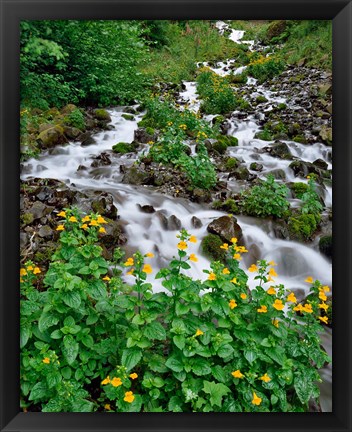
(211, 247)
(310, 200)
(302, 226)
(264, 68)
(123, 148)
(231, 163)
(264, 135)
(299, 189)
(89, 342)
(267, 199)
(75, 119)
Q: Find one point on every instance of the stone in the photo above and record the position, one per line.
(255, 166)
(320, 163)
(86, 139)
(146, 208)
(102, 115)
(226, 227)
(51, 137)
(279, 149)
(72, 132)
(326, 135)
(104, 205)
(142, 136)
(325, 245)
(39, 210)
(136, 176)
(174, 223)
(196, 222)
(240, 173)
(68, 109)
(45, 232)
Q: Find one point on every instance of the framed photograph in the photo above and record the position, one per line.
(176, 248)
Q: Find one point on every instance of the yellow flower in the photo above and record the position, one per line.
(292, 298)
(278, 305)
(270, 279)
(107, 407)
(60, 228)
(233, 304)
(86, 219)
(129, 262)
(272, 272)
(212, 276)
(147, 268)
(307, 308)
(309, 279)
(256, 400)
(234, 240)
(21, 280)
(182, 245)
(129, 397)
(323, 306)
(102, 230)
(36, 270)
(193, 239)
(324, 319)
(84, 226)
(253, 268)
(62, 214)
(241, 249)
(46, 360)
(23, 272)
(106, 278)
(272, 263)
(133, 376)
(224, 246)
(237, 256)
(199, 332)
(298, 308)
(130, 273)
(101, 220)
(193, 258)
(271, 290)
(262, 309)
(276, 323)
(234, 281)
(226, 271)
(73, 219)
(322, 296)
(149, 255)
(325, 288)
(30, 268)
(265, 378)
(116, 382)
(94, 223)
(237, 374)
(106, 381)
(243, 296)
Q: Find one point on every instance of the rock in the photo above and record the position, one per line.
(142, 136)
(146, 208)
(278, 173)
(45, 232)
(329, 108)
(196, 222)
(200, 195)
(162, 219)
(226, 228)
(137, 176)
(275, 29)
(326, 135)
(101, 160)
(279, 149)
(210, 246)
(302, 169)
(255, 166)
(86, 139)
(320, 163)
(325, 89)
(102, 115)
(124, 148)
(325, 245)
(68, 109)
(72, 132)
(51, 137)
(240, 173)
(129, 110)
(113, 237)
(104, 205)
(23, 239)
(39, 210)
(128, 116)
(173, 223)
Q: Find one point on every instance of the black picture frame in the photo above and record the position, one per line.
(12, 11)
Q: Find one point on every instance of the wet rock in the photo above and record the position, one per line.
(174, 223)
(255, 166)
(146, 208)
(137, 176)
(102, 115)
(86, 139)
(124, 148)
(326, 135)
(200, 195)
(325, 245)
(72, 133)
(320, 163)
(45, 232)
(23, 239)
(101, 160)
(302, 169)
(128, 116)
(114, 236)
(279, 174)
(142, 136)
(279, 149)
(162, 219)
(82, 168)
(240, 173)
(162, 177)
(104, 205)
(196, 222)
(226, 228)
(129, 110)
(39, 210)
(51, 137)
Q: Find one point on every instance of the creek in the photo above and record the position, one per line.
(146, 232)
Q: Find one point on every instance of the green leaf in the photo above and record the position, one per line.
(97, 289)
(231, 405)
(181, 308)
(216, 391)
(92, 319)
(224, 323)
(175, 404)
(277, 354)
(25, 334)
(201, 367)
(250, 355)
(46, 321)
(66, 372)
(154, 330)
(219, 374)
(82, 405)
(174, 364)
(72, 299)
(304, 388)
(225, 351)
(157, 364)
(70, 349)
(79, 374)
(53, 379)
(179, 341)
(56, 334)
(39, 391)
(131, 357)
(87, 341)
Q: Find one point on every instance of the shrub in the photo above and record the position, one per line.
(299, 189)
(265, 68)
(310, 199)
(301, 227)
(75, 119)
(123, 148)
(231, 163)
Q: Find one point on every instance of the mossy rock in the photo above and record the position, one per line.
(26, 219)
(300, 139)
(281, 106)
(255, 166)
(231, 163)
(224, 141)
(229, 206)
(128, 116)
(264, 135)
(149, 130)
(325, 245)
(301, 227)
(298, 189)
(261, 99)
(238, 78)
(210, 246)
(68, 109)
(51, 137)
(218, 120)
(123, 148)
(275, 29)
(102, 114)
(144, 123)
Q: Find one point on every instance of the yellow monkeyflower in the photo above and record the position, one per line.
(262, 309)
(278, 305)
(256, 399)
(276, 323)
(106, 278)
(101, 220)
(36, 270)
(309, 279)
(106, 381)
(62, 214)
(234, 281)
(265, 378)
(237, 374)
(102, 230)
(23, 272)
(292, 298)
(271, 290)
(307, 308)
(84, 226)
(86, 219)
(129, 262)
(199, 332)
(322, 296)
(182, 245)
(237, 256)
(129, 397)
(272, 272)
(234, 240)
(147, 268)
(224, 246)
(46, 360)
(233, 304)
(193, 239)
(30, 268)
(324, 319)
(73, 219)
(323, 306)
(325, 288)
(193, 258)
(130, 273)
(212, 276)
(116, 382)
(253, 268)
(272, 263)
(107, 407)
(60, 228)
(149, 255)
(298, 308)
(93, 223)
(243, 296)
(226, 271)
(133, 376)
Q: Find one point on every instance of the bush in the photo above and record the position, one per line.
(265, 68)
(301, 227)
(299, 189)
(310, 199)
(89, 342)
(267, 199)
(75, 119)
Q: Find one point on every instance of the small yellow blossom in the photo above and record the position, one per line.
(116, 382)
(147, 268)
(298, 308)
(193, 258)
(233, 304)
(199, 332)
(243, 296)
(73, 219)
(276, 323)
(309, 279)
(130, 273)
(102, 230)
(234, 240)
(278, 305)
(224, 246)
(307, 308)
(129, 262)
(193, 239)
(322, 296)
(265, 378)
(133, 376)
(106, 381)
(323, 306)
(129, 397)
(237, 374)
(234, 281)
(324, 319)
(93, 223)
(272, 272)
(262, 309)
(106, 278)
(226, 271)
(325, 288)
(107, 407)
(212, 276)
(272, 263)
(86, 219)
(149, 255)
(30, 268)
(36, 270)
(256, 400)
(46, 360)
(101, 220)
(84, 226)
(62, 214)
(237, 256)
(292, 298)
(271, 290)
(60, 228)
(253, 268)
(182, 245)
(23, 272)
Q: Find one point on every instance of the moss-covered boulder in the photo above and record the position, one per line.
(127, 116)
(228, 205)
(210, 247)
(102, 115)
(240, 173)
(255, 166)
(226, 227)
(137, 176)
(68, 109)
(279, 149)
(261, 99)
(263, 135)
(301, 227)
(52, 137)
(326, 135)
(231, 163)
(123, 148)
(275, 29)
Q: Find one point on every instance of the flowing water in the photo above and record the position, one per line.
(146, 232)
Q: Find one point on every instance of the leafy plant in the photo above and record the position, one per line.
(265, 68)
(310, 199)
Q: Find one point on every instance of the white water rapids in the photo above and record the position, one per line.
(295, 261)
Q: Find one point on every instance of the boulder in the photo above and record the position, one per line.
(104, 205)
(46, 232)
(86, 139)
(325, 245)
(137, 176)
(146, 208)
(279, 149)
(68, 109)
(226, 227)
(196, 222)
(240, 173)
(102, 115)
(142, 136)
(51, 137)
(72, 133)
(39, 210)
